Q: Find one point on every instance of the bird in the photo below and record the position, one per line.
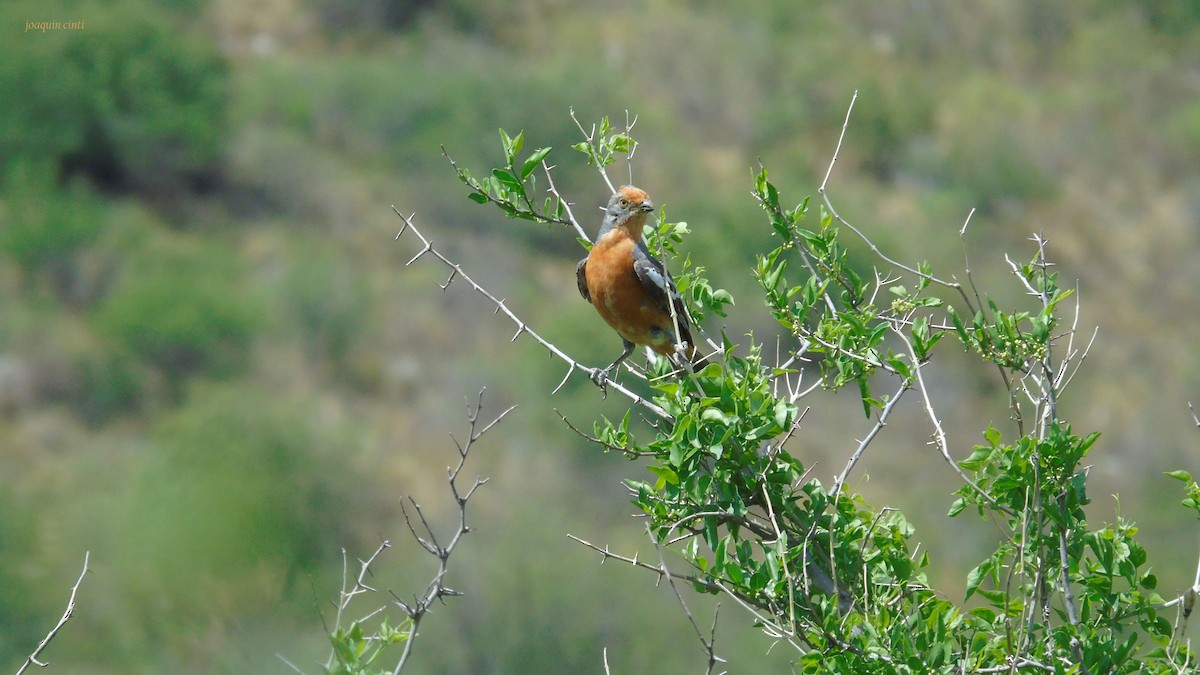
(630, 288)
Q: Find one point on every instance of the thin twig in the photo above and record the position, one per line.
(627, 451)
(707, 644)
(629, 124)
(939, 433)
(289, 664)
(880, 423)
(346, 596)
(783, 563)
(1068, 592)
(437, 589)
(552, 189)
(530, 210)
(833, 212)
(590, 138)
(1016, 665)
(605, 554)
(66, 616)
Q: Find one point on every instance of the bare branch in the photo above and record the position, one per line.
(838, 148)
(605, 554)
(1017, 664)
(552, 189)
(289, 664)
(1068, 592)
(880, 423)
(66, 616)
(939, 433)
(437, 589)
(628, 451)
(590, 137)
(833, 212)
(629, 124)
(963, 231)
(707, 644)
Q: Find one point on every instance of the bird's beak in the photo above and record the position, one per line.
(647, 206)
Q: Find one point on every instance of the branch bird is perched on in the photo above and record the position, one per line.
(630, 289)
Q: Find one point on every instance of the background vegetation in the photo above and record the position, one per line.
(215, 372)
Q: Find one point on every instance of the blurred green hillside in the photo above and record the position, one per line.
(216, 372)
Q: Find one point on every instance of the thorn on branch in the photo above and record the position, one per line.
(566, 377)
(427, 248)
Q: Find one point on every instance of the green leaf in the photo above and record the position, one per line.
(986, 614)
(901, 367)
(783, 414)
(977, 575)
(958, 324)
(507, 179)
(992, 435)
(865, 391)
(1079, 488)
(511, 145)
(1086, 444)
(532, 162)
(666, 476)
(978, 459)
(715, 415)
(478, 198)
(772, 195)
(734, 572)
(1180, 475)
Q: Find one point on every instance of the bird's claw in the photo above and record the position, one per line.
(599, 376)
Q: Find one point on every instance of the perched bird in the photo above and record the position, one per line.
(630, 288)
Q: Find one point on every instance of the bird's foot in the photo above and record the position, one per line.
(682, 357)
(599, 376)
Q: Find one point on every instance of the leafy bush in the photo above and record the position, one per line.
(230, 506)
(132, 101)
(814, 565)
(110, 384)
(180, 307)
(43, 228)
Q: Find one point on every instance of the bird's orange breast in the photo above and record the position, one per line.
(619, 297)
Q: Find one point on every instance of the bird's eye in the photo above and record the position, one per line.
(623, 202)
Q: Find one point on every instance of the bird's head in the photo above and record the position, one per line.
(628, 208)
